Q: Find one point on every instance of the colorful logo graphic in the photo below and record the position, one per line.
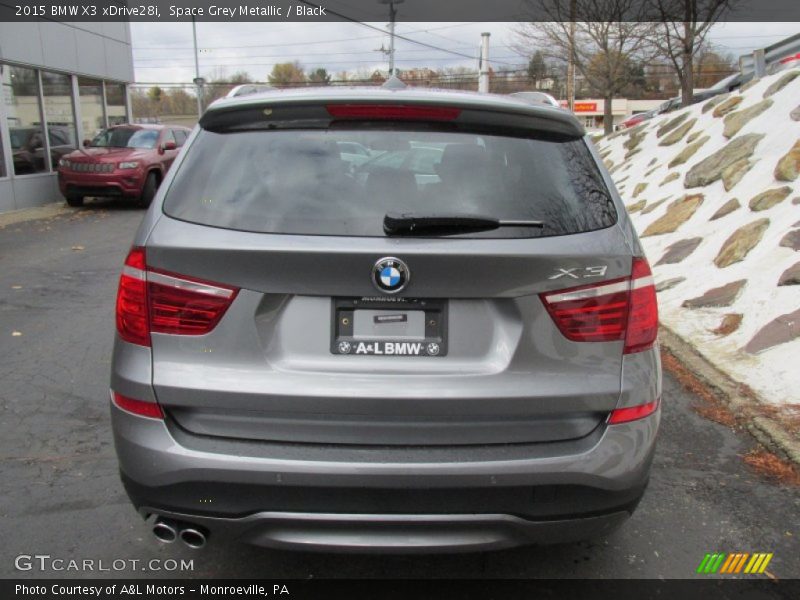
(736, 562)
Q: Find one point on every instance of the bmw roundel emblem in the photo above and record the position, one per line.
(390, 275)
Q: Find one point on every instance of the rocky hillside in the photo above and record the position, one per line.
(713, 191)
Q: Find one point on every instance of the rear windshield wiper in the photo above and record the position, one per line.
(420, 224)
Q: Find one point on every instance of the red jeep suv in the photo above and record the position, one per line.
(125, 161)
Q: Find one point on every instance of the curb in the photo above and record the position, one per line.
(13, 217)
(741, 400)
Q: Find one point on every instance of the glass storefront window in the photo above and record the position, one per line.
(59, 114)
(115, 104)
(90, 92)
(2, 158)
(24, 115)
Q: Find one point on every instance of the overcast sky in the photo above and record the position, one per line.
(163, 51)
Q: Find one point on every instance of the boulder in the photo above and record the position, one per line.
(630, 154)
(740, 243)
(652, 161)
(640, 187)
(679, 250)
(727, 106)
(677, 214)
(729, 324)
(687, 152)
(693, 136)
(714, 101)
(671, 177)
(710, 169)
(752, 83)
(770, 198)
(781, 83)
(796, 200)
(651, 207)
(779, 331)
(790, 276)
(733, 174)
(789, 165)
(671, 124)
(676, 135)
(736, 120)
(795, 114)
(636, 206)
(727, 208)
(668, 284)
(721, 296)
(791, 240)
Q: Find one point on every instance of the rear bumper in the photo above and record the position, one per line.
(392, 499)
(398, 533)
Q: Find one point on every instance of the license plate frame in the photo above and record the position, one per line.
(344, 342)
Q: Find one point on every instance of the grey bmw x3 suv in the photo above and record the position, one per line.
(395, 320)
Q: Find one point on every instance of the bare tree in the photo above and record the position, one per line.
(682, 33)
(610, 36)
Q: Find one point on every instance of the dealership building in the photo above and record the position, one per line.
(66, 79)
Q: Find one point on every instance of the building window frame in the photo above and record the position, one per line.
(5, 135)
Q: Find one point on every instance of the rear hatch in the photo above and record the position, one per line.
(327, 330)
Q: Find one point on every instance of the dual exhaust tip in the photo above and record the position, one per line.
(169, 531)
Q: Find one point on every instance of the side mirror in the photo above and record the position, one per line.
(169, 145)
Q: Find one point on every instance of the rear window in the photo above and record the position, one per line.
(312, 182)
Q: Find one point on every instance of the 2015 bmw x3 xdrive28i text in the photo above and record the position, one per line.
(443, 341)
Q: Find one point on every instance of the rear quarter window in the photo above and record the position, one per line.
(306, 181)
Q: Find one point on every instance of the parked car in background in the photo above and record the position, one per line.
(637, 119)
(27, 146)
(787, 62)
(124, 161)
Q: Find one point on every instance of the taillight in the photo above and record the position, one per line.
(643, 313)
(184, 306)
(150, 301)
(632, 413)
(133, 323)
(619, 309)
(395, 112)
(140, 408)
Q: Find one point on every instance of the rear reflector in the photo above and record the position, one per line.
(150, 301)
(632, 413)
(139, 408)
(618, 309)
(399, 112)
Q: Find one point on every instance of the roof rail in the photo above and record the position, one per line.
(536, 98)
(249, 88)
(394, 83)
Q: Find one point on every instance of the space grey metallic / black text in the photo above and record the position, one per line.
(388, 320)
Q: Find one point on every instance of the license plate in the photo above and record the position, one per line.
(389, 327)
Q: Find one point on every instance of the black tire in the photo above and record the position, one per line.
(149, 190)
(74, 201)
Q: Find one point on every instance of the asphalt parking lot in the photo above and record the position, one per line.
(61, 494)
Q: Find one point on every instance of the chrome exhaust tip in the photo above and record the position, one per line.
(194, 538)
(165, 531)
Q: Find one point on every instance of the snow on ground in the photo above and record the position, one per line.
(774, 373)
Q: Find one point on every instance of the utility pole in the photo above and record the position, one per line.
(392, 16)
(483, 67)
(571, 58)
(198, 81)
